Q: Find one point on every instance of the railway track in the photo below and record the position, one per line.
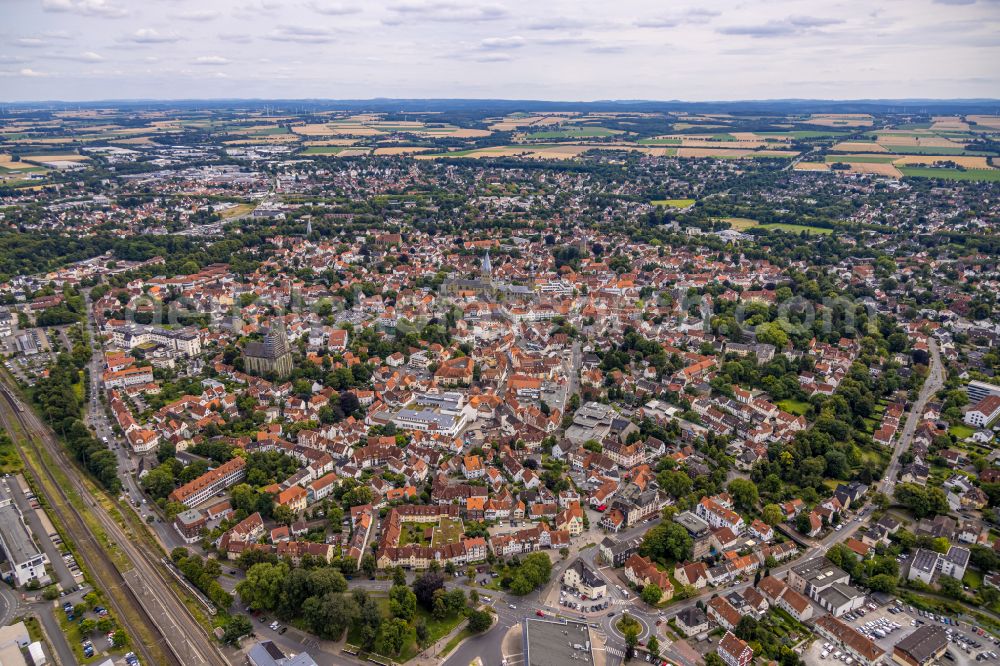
(161, 626)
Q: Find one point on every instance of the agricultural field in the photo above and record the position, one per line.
(574, 133)
(873, 159)
(673, 203)
(989, 175)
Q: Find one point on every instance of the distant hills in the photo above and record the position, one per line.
(504, 106)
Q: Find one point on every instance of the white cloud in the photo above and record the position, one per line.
(101, 8)
(211, 60)
(301, 34)
(197, 15)
(443, 11)
(500, 43)
(151, 36)
(86, 56)
(32, 73)
(493, 57)
(333, 8)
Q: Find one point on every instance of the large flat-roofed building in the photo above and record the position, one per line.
(816, 575)
(978, 390)
(447, 413)
(591, 421)
(698, 529)
(922, 647)
(24, 562)
(556, 643)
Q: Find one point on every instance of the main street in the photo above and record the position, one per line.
(933, 383)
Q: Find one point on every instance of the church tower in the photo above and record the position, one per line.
(486, 268)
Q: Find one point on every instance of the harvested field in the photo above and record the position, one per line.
(840, 120)
(811, 166)
(401, 150)
(354, 152)
(876, 168)
(6, 163)
(950, 123)
(859, 147)
(992, 122)
(313, 129)
(686, 151)
(60, 157)
(331, 142)
(929, 140)
(967, 161)
(873, 159)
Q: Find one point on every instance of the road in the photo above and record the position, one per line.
(933, 384)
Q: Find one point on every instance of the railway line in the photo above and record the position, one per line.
(160, 624)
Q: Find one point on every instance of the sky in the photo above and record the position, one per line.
(80, 50)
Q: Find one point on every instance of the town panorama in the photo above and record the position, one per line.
(500, 383)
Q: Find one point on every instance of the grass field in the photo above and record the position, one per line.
(990, 175)
(933, 150)
(796, 228)
(961, 431)
(673, 203)
(796, 407)
(575, 133)
(740, 223)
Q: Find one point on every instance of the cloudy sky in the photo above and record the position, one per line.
(537, 49)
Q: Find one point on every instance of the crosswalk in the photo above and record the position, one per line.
(619, 602)
(615, 651)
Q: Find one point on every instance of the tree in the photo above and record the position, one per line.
(479, 621)
(882, 583)
(951, 587)
(425, 586)
(402, 602)
(368, 565)
(392, 637)
(802, 523)
(772, 514)
(713, 659)
(631, 633)
(923, 502)
(651, 594)
(398, 576)
(744, 492)
(261, 589)
(235, 628)
(653, 645)
(667, 542)
(674, 483)
(283, 514)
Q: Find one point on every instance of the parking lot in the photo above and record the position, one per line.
(580, 602)
(887, 625)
